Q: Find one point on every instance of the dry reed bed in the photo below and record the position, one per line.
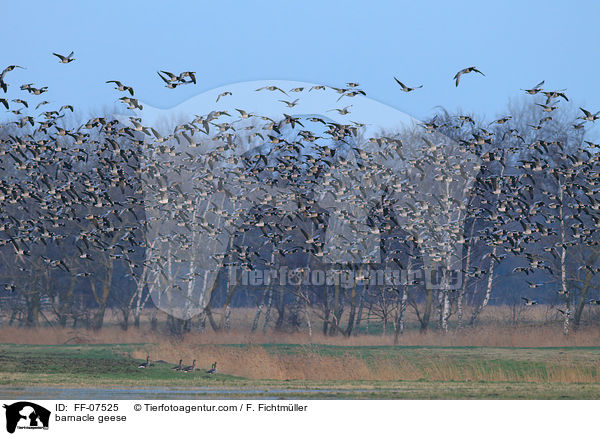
(485, 336)
(255, 362)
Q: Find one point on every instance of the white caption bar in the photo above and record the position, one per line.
(294, 417)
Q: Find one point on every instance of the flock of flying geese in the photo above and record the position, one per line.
(178, 368)
(25, 147)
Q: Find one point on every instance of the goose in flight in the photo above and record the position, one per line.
(465, 71)
(343, 111)
(290, 103)
(546, 108)
(35, 91)
(272, 88)
(8, 69)
(41, 103)
(550, 95)
(132, 103)
(190, 74)
(502, 120)
(537, 88)
(121, 87)
(244, 114)
(181, 78)
(223, 94)
(528, 302)
(406, 88)
(172, 77)
(65, 59)
(352, 94)
(171, 84)
(588, 115)
(3, 84)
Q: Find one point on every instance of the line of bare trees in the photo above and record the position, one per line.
(74, 229)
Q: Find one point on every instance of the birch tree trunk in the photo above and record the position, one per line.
(227, 322)
(563, 261)
(488, 289)
(401, 312)
(361, 305)
(102, 299)
(427, 310)
(445, 310)
(269, 307)
(269, 298)
(368, 318)
(490, 281)
(258, 313)
(585, 287)
(334, 323)
(441, 293)
(352, 314)
(463, 290)
(65, 304)
(308, 323)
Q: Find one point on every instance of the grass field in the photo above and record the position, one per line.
(528, 357)
(312, 371)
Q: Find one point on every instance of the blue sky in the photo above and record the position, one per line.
(516, 45)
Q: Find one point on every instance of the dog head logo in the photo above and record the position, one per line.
(26, 415)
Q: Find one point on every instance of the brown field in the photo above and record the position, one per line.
(432, 364)
(494, 351)
(537, 326)
(530, 336)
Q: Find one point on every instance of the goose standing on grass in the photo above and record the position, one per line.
(146, 364)
(178, 367)
(213, 369)
(191, 368)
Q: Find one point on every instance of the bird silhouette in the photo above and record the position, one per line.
(467, 70)
(529, 302)
(120, 87)
(65, 59)
(406, 88)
